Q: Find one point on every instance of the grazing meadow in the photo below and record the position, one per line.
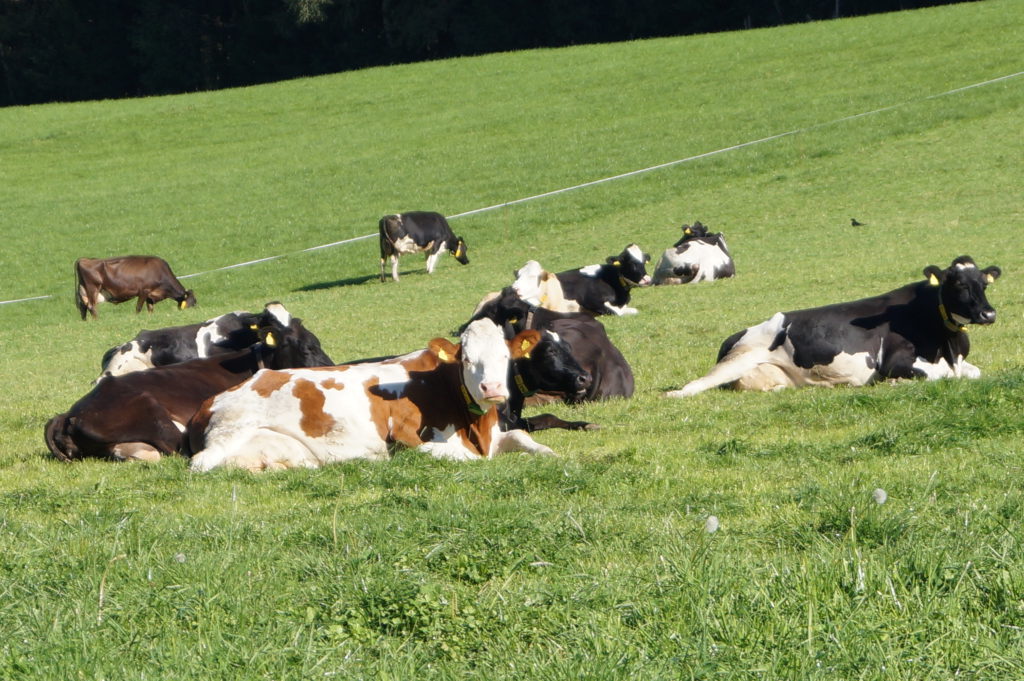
(868, 533)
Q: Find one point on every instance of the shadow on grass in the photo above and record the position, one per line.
(353, 281)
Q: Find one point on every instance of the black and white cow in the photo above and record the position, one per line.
(160, 347)
(610, 373)
(418, 232)
(917, 331)
(604, 289)
(697, 256)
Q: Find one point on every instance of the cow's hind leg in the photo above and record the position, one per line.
(135, 451)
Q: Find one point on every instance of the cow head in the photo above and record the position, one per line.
(291, 345)
(630, 264)
(551, 367)
(459, 250)
(187, 300)
(962, 287)
(484, 354)
(528, 282)
(694, 231)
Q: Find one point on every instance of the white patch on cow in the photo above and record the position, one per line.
(620, 311)
(447, 444)
(539, 287)
(432, 258)
(406, 245)
(591, 270)
(485, 358)
(208, 335)
(634, 252)
(135, 451)
(702, 258)
(280, 313)
(527, 283)
(126, 361)
(519, 441)
(965, 265)
(933, 371)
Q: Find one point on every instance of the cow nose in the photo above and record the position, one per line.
(583, 381)
(988, 316)
(493, 392)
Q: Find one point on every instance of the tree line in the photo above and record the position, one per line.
(68, 50)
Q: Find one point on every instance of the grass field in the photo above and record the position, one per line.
(597, 564)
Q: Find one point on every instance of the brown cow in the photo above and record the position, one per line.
(116, 280)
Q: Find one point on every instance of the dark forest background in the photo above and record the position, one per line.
(67, 50)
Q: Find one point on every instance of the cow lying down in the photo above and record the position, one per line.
(141, 415)
(917, 331)
(160, 347)
(441, 401)
(697, 256)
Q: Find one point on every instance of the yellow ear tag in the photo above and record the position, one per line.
(687, 231)
(442, 355)
(270, 340)
(616, 263)
(181, 305)
(933, 280)
(989, 278)
(513, 320)
(525, 347)
(458, 251)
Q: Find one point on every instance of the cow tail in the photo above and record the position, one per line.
(82, 310)
(57, 440)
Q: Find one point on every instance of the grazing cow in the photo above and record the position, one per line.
(418, 232)
(917, 331)
(440, 401)
(611, 375)
(115, 280)
(698, 256)
(604, 289)
(142, 415)
(160, 347)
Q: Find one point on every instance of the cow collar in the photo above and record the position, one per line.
(627, 283)
(948, 321)
(471, 404)
(520, 382)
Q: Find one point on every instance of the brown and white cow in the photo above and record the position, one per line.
(115, 280)
(142, 414)
(440, 400)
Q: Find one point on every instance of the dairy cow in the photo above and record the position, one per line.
(697, 256)
(141, 415)
(160, 347)
(605, 289)
(610, 373)
(417, 232)
(115, 280)
(441, 401)
(917, 331)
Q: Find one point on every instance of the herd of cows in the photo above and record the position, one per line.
(256, 390)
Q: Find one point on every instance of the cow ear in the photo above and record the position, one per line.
(445, 350)
(522, 344)
(933, 274)
(613, 260)
(991, 273)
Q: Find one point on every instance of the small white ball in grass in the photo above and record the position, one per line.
(711, 524)
(880, 496)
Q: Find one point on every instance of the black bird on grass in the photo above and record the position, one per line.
(855, 223)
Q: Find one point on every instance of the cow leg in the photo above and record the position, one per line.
(546, 421)
(733, 368)
(620, 311)
(382, 279)
(520, 441)
(261, 450)
(394, 267)
(432, 261)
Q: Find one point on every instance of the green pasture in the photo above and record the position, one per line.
(597, 564)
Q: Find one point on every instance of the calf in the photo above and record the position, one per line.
(440, 401)
(604, 289)
(917, 331)
(142, 415)
(160, 347)
(698, 256)
(418, 232)
(116, 280)
(611, 375)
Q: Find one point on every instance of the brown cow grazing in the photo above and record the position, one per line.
(115, 280)
(142, 415)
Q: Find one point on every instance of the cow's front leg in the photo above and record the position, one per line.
(520, 441)
(394, 267)
(620, 311)
(432, 261)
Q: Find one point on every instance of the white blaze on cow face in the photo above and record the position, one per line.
(485, 357)
(527, 283)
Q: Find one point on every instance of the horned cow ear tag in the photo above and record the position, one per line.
(933, 280)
